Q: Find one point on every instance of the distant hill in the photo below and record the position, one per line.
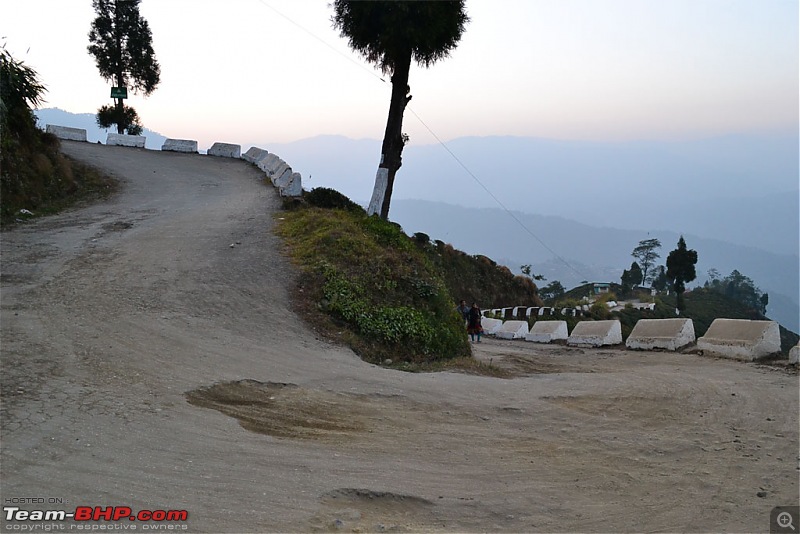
(741, 189)
(88, 122)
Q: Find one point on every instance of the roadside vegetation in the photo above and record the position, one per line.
(35, 177)
(388, 296)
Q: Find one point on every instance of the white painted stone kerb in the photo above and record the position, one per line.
(741, 339)
(513, 330)
(491, 326)
(547, 332)
(180, 145)
(135, 141)
(225, 150)
(294, 188)
(667, 334)
(66, 133)
(596, 334)
(254, 154)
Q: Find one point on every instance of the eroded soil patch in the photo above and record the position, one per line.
(282, 410)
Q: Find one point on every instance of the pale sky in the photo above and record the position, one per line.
(248, 71)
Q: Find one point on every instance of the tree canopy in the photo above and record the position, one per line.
(646, 254)
(739, 287)
(631, 278)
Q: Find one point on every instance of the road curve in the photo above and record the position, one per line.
(151, 359)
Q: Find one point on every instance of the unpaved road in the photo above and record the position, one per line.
(148, 363)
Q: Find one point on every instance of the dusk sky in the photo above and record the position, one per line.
(276, 71)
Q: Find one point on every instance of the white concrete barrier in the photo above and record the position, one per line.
(513, 330)
(741, 339)
(596, 333)
(667, 334)
(794, 354)
(254, 154)
(490, 326)
(282, 180)
(225, 150)
(180, 145)
(135, 141)
(547, 331)
(66, 133)
(294, 188)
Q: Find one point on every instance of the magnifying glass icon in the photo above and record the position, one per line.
(785, 520)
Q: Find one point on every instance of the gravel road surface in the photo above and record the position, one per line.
(151, 360)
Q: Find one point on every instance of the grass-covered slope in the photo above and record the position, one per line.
(38, 178)
(385, 294)
(34, 175)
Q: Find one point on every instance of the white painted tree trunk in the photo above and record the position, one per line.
(379, 192)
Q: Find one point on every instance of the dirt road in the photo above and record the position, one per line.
(151, 359)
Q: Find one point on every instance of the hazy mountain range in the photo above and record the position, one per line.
(576, 209)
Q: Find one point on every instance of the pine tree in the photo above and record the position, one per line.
(681, 269)
(121, 43)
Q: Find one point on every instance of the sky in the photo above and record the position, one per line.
(261, 71)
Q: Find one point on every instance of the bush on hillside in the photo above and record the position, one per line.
(371, 284)
(324, 197)
(34, 175)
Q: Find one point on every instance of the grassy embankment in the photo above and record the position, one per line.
(389, 296)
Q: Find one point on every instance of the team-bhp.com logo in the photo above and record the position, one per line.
(90, 515)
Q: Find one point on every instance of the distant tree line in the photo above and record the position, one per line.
(738, 287)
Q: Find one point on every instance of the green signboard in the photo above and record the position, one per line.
(119, 92)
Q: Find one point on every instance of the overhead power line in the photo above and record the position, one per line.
(430, 130)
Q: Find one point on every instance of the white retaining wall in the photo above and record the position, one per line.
(667, 334)
(741, 339)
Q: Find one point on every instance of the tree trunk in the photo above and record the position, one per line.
(119, 105)
(393, 143)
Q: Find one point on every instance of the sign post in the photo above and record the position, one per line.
(119, 92)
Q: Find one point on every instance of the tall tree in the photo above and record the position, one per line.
(660, 282)
(552, 292)
(122, 45)
(681, 269)
(389, 34)
(645, 252)
(631, 278)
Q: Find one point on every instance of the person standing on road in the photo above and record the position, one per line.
(463, 309)
(474, 327)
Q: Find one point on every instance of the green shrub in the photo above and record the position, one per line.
(326, 198)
